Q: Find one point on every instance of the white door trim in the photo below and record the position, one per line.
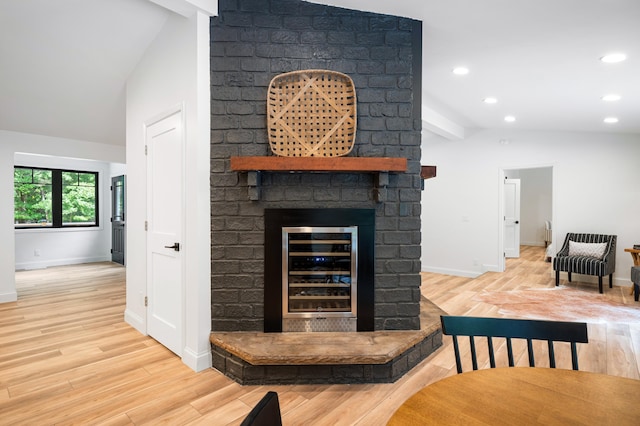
(501, 258)
(512, 219)
(500, 218)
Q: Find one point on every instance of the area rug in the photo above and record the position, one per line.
(561, 304)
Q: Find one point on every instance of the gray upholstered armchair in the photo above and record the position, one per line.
(588, 254)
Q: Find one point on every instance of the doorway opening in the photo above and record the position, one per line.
(319, 270)
(535, 208)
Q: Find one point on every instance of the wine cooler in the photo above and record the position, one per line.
(319, 278)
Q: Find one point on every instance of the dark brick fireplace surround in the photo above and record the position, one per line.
(255, 40)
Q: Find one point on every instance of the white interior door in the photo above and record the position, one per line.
(512, 217)
(165, 289)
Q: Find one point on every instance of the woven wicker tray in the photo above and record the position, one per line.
(311, 113)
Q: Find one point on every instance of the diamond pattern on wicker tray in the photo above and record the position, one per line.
(311, 113)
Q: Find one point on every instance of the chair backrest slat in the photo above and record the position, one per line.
(474, 358)
(510, 352)
(574, 355)
(552, 355)
(532, 361)
(492, 358)
(558, 331)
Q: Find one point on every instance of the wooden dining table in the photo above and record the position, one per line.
(524, 396)
(635, 255)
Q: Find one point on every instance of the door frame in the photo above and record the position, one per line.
(500, 217)
(177, 109)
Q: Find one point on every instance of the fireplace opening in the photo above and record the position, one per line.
(319, 270)
(319, 278)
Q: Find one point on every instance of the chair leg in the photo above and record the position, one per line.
(557, 277)
(569, 275)
(610, 280)
(600, 283)
(636, 291)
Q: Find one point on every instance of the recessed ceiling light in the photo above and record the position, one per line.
(509, 119)
(612, 58)
(611, 97)
(461, 71)
(489, 100)
(610, 120)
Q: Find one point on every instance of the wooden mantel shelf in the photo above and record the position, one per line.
(319, 164)
(379, 166)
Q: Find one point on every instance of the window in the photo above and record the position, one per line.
(52, 198)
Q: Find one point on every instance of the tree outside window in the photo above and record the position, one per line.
(32, 197)
(55, 198)
(78, 198)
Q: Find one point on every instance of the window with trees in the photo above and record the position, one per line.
(54, 198)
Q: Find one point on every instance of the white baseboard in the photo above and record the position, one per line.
(455, 272)
(532, 243)
(135, 321)
(490, 268)
(60, 262)
(8, 297)
(196, 361)
(592, 279)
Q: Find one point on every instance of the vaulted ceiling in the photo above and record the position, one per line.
(64, 63)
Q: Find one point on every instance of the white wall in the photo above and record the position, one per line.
(117, 169)
(595, 189)
(10, 144)
(173, 72)
(41, 248)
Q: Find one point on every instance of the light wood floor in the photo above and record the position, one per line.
(67, 357)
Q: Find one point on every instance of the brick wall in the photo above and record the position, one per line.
(255, 40)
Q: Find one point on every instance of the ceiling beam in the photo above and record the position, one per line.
(187, 8)
(441, 125)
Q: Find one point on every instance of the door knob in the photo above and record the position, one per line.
(175, 246)
(517, 222)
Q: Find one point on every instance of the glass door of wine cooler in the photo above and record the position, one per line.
(319, 272)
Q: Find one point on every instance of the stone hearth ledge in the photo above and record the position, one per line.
(329, 348)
